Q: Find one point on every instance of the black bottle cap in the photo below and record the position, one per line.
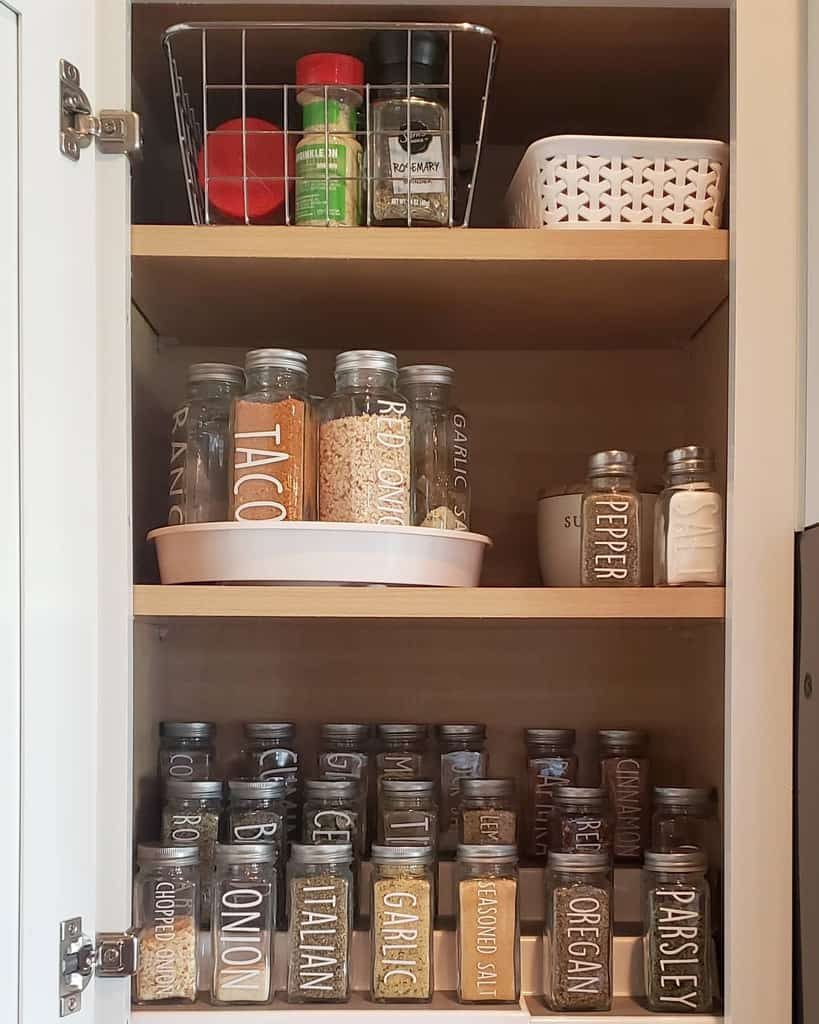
(428, 57)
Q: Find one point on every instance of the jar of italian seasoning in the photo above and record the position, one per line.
(409, 813)
(578, 934)
(682, 818)
(610, 522)
(624, 773)
(190, 816)
(677, 932)
(344, 753)
(401, 924)
(270, 753)
(244, 924)
(488, 931)
(488, 812)
(320, 887)
(581, 821)
(166, 920)
(186, 750)
(550, 762)
(463, 756)
(332, 812)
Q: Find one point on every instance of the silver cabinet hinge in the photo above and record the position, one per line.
(113, 955)
(116, 131)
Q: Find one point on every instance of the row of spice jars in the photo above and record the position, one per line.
(688, 522)
(254, 445)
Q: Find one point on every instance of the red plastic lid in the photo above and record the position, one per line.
(265, 159)
(329, 69)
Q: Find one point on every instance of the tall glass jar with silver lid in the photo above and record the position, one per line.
(488, 812)
(332, 813)
(166, 920)
(256, 811)
(365, 444)
(272, 476)
(677, 932)
(320, 899)
(682, 818)
(244, 924)
(610, 522)
(624, 771)
(409, 813)
(186, 750)
(199, 465)
(462, 756)
(550, 762)
(270, 753)
(440, 448)
(581, 822)
(401, 924)
(190, 816)
(344, 753)
(688, 523)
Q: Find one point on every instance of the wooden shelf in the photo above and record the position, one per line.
(624, 1010)
(488, 288)
(420, 603)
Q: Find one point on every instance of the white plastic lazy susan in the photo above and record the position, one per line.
(315, 553)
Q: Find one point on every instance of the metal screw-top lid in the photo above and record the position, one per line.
(338, 788)
(503, 854)
(365, 359)
(270, 730)
(402, 730)
(578, 861)
(187, 730)
(257, 789)
(246, 853)
(631, 738)
(202, 789)
(345, 731)
(391, 854)
(275, 358)
(554, 737)
(684, 797)
(407, 787)
(579, 794)
(487, 787)
(691, 458)
(321, 853)
(425, 374)
(611, 463)
(687, 861)
(164, 853)
(475, 731)
(223, 373)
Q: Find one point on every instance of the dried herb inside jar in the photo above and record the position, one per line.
(580, 948)
(319, 939)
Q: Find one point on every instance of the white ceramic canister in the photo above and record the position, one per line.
(558, 536)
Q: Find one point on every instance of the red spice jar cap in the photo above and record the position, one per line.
(329, 69)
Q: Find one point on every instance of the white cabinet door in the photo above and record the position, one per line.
(71, 436)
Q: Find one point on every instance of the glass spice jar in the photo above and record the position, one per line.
(364, 444)
(199, 466)
(332, 813)
(269, 753)
(190, 816)
(682, 819)
(244, 924)
(270, 426)
(344, 754)
(257, 813)
(462, 756)
(488, 812)
(186, 750)
(409, 813)
(610, 522)
(320, 887)
(401, 924)
(488, 928)
(578, 933)
(582, 820)
(688, 530)
(677, 932)
(624, 770)
(550, 762)
(166, 920)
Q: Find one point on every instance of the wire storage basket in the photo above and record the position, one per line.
(330, 123)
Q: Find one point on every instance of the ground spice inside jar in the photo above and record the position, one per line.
(611, 540)
(319, 939)
(487, 939)
(268, 460)
(402, 917)
(167, 961)
(489, 825)
(247, 980)
(580, 948)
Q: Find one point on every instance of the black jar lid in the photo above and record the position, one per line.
(683, 796)
(427, 57)
(187, 730)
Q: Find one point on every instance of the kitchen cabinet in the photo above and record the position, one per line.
(642, 339)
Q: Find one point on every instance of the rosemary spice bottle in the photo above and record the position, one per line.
(624, 773)
(610, 522)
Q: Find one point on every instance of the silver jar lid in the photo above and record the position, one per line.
(321, 853)
(407, 787)
(246, 853)
(366, 359)
(691, 458)
(165, 853)
(425, 373)
(223, 373)
(283, 358)
(187, 730)
(270, 730)
(345, 731)
(487, 787)
(202, 789)
(555, 737)
(621, 738)
(336, 788)
(683, 796)
(579, 861)
(579, 794)
(483, 854)
(413, 731)
(392, 854)
(257, 789)
(612, 463)
(473, 731)
(685, 861)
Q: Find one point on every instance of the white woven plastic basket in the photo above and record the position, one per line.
(600, 180)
